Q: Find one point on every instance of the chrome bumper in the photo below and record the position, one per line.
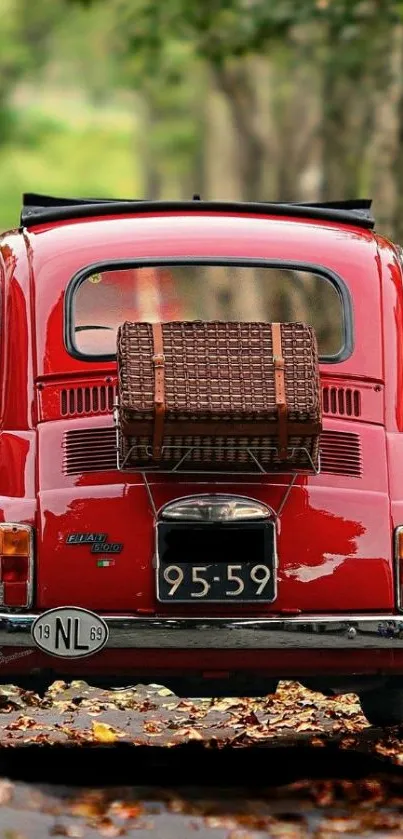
(341, 632)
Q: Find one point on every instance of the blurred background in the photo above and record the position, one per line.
(233, 99)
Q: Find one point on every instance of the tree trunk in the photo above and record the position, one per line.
(398, 220)
(152, 183)
(386, 157)
(235, 84)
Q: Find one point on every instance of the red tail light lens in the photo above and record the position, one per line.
(14, 569)
(16, 561)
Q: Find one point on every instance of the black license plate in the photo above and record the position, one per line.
(228, 563)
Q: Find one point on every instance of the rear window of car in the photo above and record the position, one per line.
(99, 300)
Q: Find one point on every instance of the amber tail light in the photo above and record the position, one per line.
(16, 564)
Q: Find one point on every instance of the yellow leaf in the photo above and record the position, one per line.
(104, 733)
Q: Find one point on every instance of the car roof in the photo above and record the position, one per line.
(38, 209)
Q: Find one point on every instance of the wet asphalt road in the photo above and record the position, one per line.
(321, 794)
(83, 763)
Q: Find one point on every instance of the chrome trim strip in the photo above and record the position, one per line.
(396, 564)
(335, 632)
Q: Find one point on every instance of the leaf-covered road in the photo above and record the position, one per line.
(152, 715)
(78, 762)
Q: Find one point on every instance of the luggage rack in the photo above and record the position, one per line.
(261, 469)
(294, 473)
(278, 467)
(281, 468)
(182, 468)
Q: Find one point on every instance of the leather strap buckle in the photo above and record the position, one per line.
(158, 360)
(280, 391)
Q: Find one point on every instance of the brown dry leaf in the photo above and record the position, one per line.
(348, 742)
(317, 741)
(189, 733)
(38, 738)
(104, 733)
(384, 750)
(355, 725)
(225, 704)
(56, 687)
(307, 726)
(151, 706)
(79, 684)
(339, 825)
(21, 723)
(106, 827)
(220, 822)
(324, 793)
(91, 805)
(123, 810)
(277, 719)
(74, 734)
(153, 726)
(248, 720)
(254, 734)
(186, 705)
(376, 820)
(289, 723)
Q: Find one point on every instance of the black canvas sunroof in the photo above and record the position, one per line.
(38, 209)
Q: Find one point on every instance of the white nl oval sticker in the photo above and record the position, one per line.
(70, 632)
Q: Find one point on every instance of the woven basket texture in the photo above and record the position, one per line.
(218, 371)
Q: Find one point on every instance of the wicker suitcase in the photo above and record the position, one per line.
(216, 396)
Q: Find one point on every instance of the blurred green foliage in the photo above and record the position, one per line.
(154, 99)
(55, 155)
(64, 127)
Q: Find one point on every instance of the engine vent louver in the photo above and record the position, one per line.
(98, 399)
(341, 401)
(89, 450)
(340, 453)
(79, 401)
(94, 450)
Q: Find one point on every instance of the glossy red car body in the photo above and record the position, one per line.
(336, 533)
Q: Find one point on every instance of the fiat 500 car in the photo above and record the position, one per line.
(216, 580)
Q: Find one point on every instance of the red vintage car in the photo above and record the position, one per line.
(209, 583)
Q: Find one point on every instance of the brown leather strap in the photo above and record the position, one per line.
(279, 385)
(159, 389)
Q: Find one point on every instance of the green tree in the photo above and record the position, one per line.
(25, 29)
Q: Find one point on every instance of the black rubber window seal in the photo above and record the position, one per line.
(239, 262)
